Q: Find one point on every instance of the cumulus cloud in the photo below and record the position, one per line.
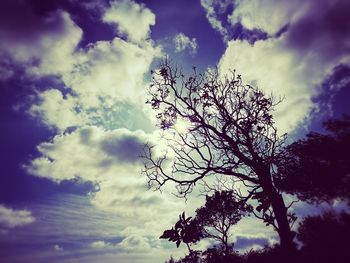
(269, 16)
(135, 242)
(105, 79)
(294, 64)
(43, 43)
(183, 42)
(109, 159)
(101, 80)
(11, 218)
(131, 18)
(100, 244)
(268, 66)
(54, 109)
(65, 156)
(103, 90)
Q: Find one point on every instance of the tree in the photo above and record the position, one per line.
(220, 212)
(317, 168)
(230, 133)
(325, 237)
(186, 230)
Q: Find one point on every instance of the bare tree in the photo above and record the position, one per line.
(230, 133)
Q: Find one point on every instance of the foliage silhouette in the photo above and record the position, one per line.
(186, 230)
(317, 168)
(231, 133)
(220, 212)
(325, 238)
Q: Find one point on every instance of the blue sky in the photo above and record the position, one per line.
(73, 79)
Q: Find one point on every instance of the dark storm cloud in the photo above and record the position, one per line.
(324, 28)
(246, 242)
(126, 148)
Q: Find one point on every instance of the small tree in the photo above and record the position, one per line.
(220, 212)
(231, 132)
(186, 230)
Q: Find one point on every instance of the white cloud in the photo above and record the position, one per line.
(100, 244)
(109, 158)
(269, 16)
(111, 71)
(50, 50)
(56, 53)
(131, 19)
(65, 156)
(294, 64)
(11, 218)
(57, 248)
(102, 77)
(183, 42)
(97, 78)
(268, 66)
(57, 111)
(135, 243)
(213, 10)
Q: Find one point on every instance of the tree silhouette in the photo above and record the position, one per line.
(325, 238)
(230, 132)
(317, 168)
(186, 230)
(220, 212)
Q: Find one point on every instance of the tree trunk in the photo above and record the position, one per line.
(285, 233)
(226, 247)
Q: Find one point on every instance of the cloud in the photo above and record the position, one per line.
(109, 159)
(135, 243)
(323, 30)
(65, 156)
(269, 16)
(43, 43)
(246, 242)
(268, 66)
(57, 248)
(53, 109)
(292, 64)
(215, 11)
(183, 42)
(132, 19)
(125, 149)
(11, 218)
(100, 81)
(219, 15)
(100, 244)
(105, 79)
(332, 85)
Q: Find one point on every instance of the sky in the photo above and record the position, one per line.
(73, 85)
